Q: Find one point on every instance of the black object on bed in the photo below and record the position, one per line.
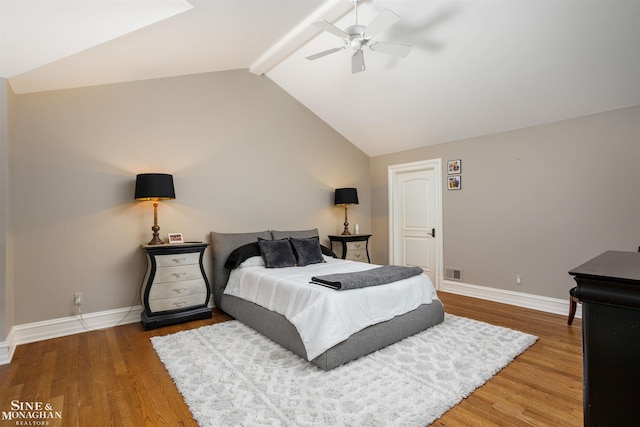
(362, 279)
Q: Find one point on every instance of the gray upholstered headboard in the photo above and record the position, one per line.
(222, 244)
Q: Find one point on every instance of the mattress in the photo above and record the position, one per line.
(325, 317)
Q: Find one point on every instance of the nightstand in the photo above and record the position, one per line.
(175, 288)
(354, 247)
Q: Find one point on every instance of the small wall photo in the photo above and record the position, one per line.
(454, 182)
(454, 167)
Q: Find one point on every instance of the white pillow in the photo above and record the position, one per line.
(254, 261)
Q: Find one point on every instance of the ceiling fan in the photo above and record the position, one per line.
(358, 36)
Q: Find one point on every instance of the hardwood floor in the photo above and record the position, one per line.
(542, 387)
(114, 378)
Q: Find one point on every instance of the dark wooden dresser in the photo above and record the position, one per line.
(609, 290)
(354, 247)
(175, 288)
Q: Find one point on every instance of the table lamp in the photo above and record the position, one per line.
(155, 186)
(346, 197)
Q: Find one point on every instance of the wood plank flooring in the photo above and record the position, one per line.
(114, 378)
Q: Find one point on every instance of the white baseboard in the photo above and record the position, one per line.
(39, 331)
(534, 302)
(6, 350)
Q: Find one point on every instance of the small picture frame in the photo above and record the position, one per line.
(175, 238)
(454, 182)
(454, 167)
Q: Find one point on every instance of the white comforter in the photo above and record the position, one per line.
(325, 317)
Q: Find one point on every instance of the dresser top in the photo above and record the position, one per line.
(611, 264)
(177, 247)
(349, 236)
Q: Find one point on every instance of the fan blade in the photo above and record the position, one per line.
(357, 62)
(384, 20)
(324, 53)
(394, 49)
(330, 28)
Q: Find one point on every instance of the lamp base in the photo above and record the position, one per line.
(346, 229)
(155, 241)
(156, 236)
(346, 222)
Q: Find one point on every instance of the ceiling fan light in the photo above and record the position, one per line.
(356, 44)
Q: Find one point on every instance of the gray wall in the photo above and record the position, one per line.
(534, 202)
(244, 154)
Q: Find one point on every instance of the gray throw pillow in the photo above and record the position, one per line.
(277, 253)
(307, 251)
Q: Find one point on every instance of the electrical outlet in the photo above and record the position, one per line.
(77, 298)
(519, 280)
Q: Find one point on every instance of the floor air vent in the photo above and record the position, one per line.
(453, 274)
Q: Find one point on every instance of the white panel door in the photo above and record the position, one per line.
(415, 219)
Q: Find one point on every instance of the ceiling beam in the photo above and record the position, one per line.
(331, 11)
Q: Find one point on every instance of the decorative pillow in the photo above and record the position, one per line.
(254, 261)
(277, 253)
(307, 250)
(328, 252)
(242, 253)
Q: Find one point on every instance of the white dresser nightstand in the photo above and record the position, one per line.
(175, 288)
(355, 247)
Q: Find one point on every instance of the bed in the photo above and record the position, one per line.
(281, 330)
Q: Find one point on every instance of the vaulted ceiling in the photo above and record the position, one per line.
(476, 67)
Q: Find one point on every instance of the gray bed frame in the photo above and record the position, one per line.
(280, 330)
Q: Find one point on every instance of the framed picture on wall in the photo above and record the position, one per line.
(454, 166)
(454, 182)
(175, 238)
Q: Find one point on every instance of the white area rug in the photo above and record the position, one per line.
(229, 375)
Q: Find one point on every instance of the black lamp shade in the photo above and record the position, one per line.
(154, 186)
(346, 196)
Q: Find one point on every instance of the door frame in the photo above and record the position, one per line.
(392, 172)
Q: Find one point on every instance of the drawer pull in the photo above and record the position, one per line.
(358, 245)
(357, 255)
(180, 303)
(178, 260)
(179, 290)
(179, 275)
